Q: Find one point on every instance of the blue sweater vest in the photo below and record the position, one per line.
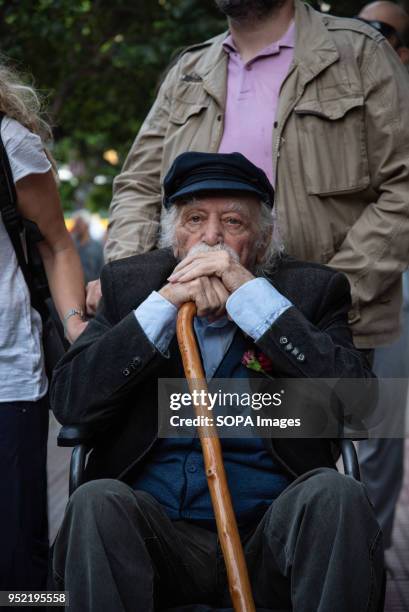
(174, 473)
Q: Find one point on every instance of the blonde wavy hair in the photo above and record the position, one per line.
(22, 103)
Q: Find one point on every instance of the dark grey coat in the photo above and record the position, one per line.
(109, 376)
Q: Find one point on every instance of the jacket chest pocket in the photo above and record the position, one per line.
(183, 113)
(188, 127)
(188, 130)
(183, 132)
(189, 103)
(333, 145)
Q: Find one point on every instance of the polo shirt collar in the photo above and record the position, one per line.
(287, 40)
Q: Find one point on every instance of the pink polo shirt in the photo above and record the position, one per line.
(252, 100)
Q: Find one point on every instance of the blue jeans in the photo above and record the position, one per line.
(23, 495)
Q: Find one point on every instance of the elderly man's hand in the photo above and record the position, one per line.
(209, 295)
(219, 264)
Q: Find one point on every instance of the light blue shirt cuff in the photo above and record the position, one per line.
(157, 317)
(255, 306)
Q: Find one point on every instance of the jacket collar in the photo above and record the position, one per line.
(314, 51)
(215, 71)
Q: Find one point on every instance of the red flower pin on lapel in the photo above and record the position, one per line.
(259, 363)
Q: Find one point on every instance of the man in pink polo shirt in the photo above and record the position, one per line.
(253, 88)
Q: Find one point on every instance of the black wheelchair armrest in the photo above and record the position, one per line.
(81, 437)
(77, 467)
(350, 459)
(74, 435)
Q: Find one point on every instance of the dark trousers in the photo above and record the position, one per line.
(317, 549)
(381, 460)
(23, 495)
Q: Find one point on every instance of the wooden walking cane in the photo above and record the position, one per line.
(237, 575)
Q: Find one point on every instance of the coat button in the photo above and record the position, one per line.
(191, 468)
(136, 361)
(353, 316)
(289, 347)
(126, 371)
(301, 357)
(283, 340)
(295, 351)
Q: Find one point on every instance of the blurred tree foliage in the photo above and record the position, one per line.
(99, 64)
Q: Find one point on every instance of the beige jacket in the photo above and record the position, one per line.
(341, 154)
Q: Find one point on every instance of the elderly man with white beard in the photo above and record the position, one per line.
(141, 535)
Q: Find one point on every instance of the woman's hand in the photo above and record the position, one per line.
(75, 330)
(94, 296)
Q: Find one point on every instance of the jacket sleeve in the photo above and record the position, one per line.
(376, 248)
(136, 204)
(101, 367)
(306, 351)
(323, 349)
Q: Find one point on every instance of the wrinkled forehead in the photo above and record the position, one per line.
(242, 204)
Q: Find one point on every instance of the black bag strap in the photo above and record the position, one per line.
(14, 224)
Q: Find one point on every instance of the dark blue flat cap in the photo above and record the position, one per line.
(192, 174)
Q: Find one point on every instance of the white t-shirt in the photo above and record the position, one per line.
(22, 376)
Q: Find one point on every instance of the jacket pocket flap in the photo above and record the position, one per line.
(329, 109)
(181, 112)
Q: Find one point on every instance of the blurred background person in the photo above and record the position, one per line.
(393, 22)
(90, 250)
(23, 382)
(382, 459)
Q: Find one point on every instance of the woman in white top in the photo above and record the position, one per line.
(23, 384)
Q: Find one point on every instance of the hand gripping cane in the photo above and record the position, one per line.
(237, 575)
